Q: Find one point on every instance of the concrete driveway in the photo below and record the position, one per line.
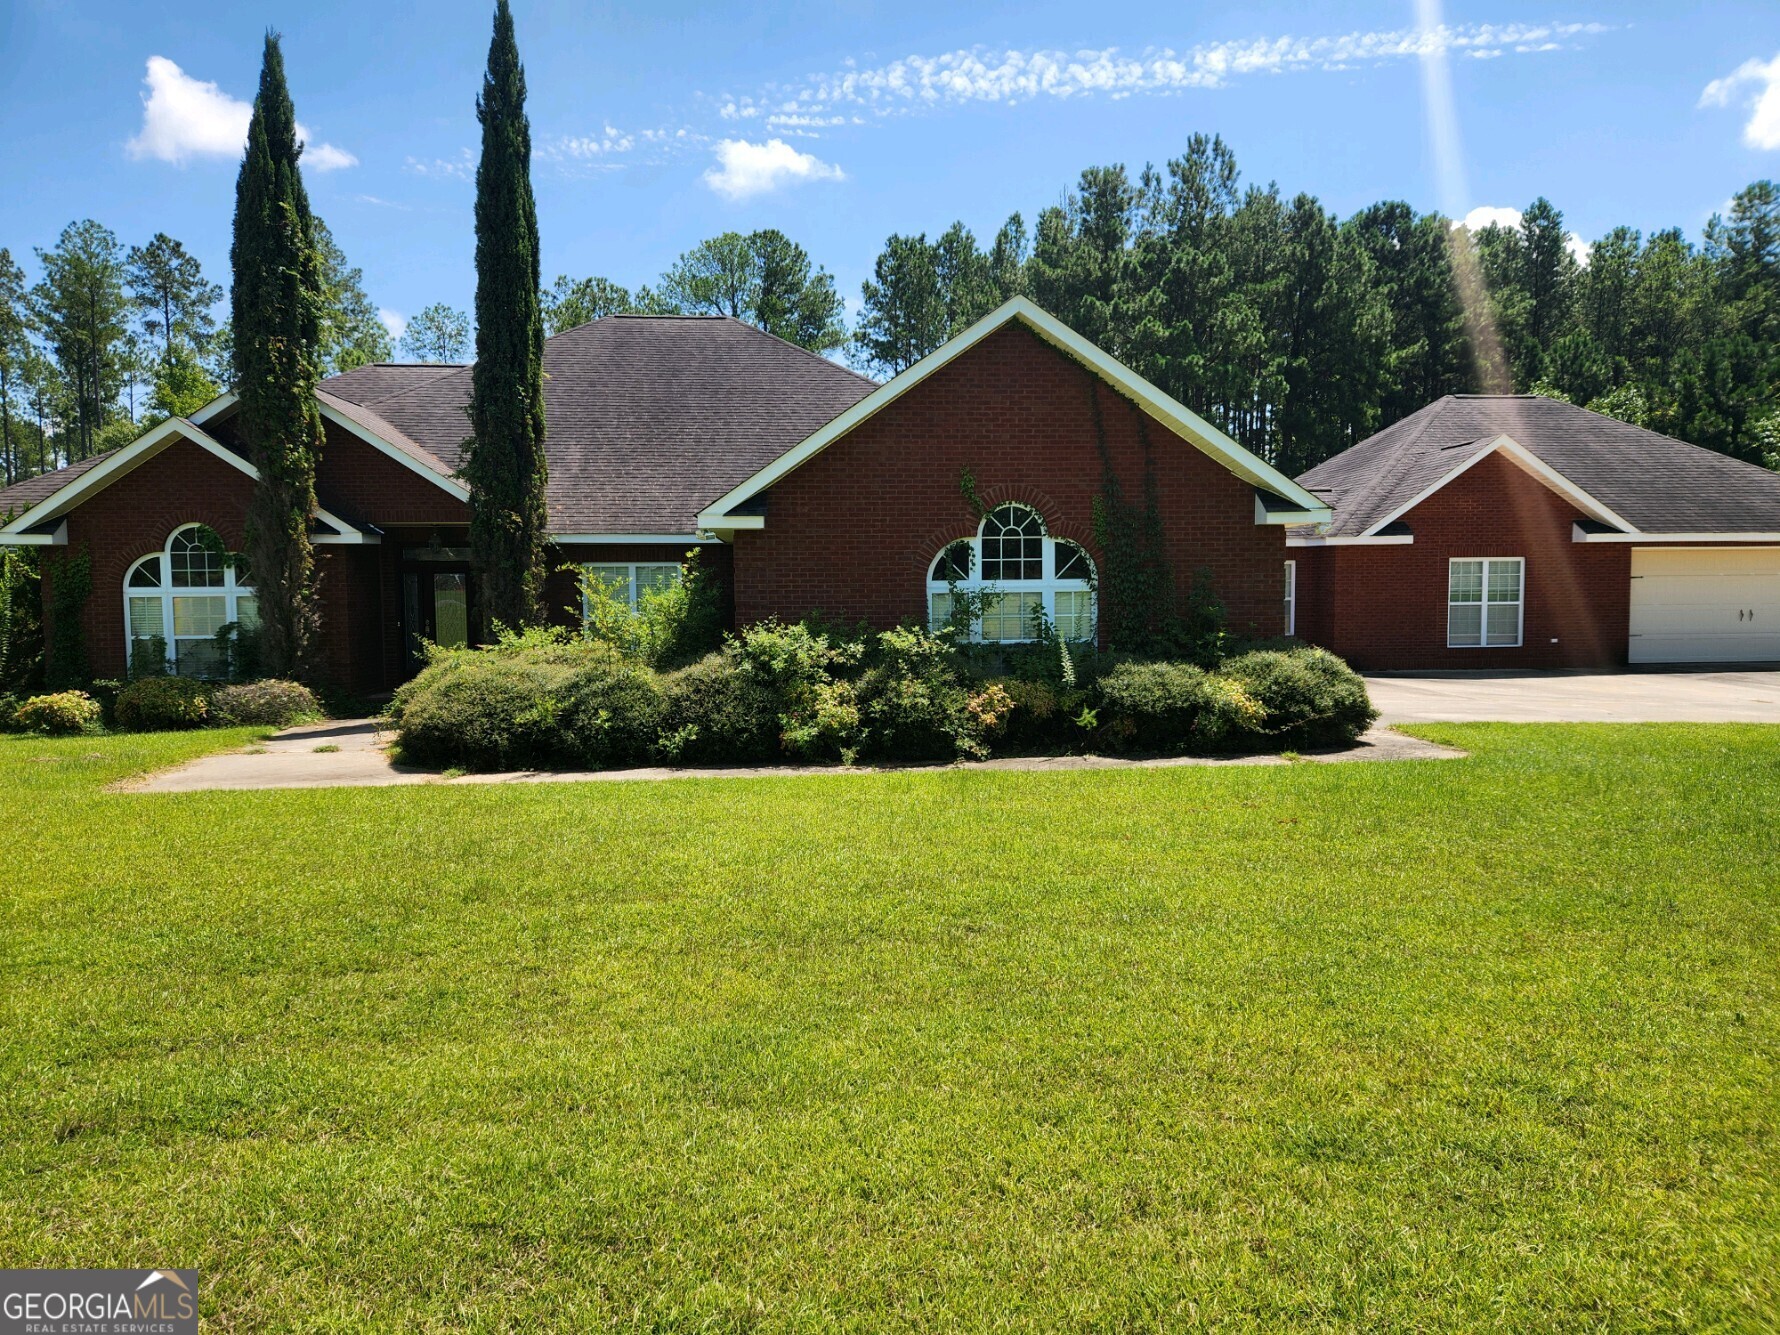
(1578, 697)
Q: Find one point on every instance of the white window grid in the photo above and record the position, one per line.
(187, 614)
(631, 579)
(1015, 535)
(1499, 585)
(1291, 597)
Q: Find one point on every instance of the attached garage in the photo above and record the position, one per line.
(1705, 605)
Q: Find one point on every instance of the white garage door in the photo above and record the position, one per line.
(1705, 605)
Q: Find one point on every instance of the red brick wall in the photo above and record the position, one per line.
(185, 483)
(853, 532)
(368, 485)
(1385, 607)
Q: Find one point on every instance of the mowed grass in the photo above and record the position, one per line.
(1443, 1045)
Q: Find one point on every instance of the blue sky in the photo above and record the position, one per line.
(845, 120)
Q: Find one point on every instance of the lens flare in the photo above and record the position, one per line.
(1489, 367)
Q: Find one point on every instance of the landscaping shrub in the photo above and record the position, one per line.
(484, 709)
(157, 704)
(9, 707)
(911, 703)
(670, 626)
(553, 698)
(62, 714)
(1312, 698)
(1174, 707)
(270, 703)
(718, 712)
(611, 714)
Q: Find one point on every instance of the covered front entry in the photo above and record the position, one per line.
(438, 601)
(1705, 605)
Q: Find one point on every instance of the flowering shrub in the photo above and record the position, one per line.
(62, 714)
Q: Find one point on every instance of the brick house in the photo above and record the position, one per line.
(1506, 531)
(805, 487)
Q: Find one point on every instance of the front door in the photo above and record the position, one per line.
(435, 610)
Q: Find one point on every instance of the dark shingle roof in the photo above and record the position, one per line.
(1657, 483)
(21, 496)
(650, 418)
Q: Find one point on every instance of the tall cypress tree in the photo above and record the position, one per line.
(275, 304)
(506, 468)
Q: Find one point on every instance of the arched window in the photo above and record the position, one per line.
(1021, 572)
(176, 599)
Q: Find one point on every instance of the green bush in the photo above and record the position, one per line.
(270, 703)
(483, 709)
(611, 714)
(1173, 707)
(670, 626)
(1312, 698)
(158, 704)
(911, 703)
(717, 712)
(62, 714)
(553, 698)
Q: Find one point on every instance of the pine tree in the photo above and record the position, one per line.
(506, 469)
(276, 300)
(80, 308)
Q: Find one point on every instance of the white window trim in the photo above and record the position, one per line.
(1520, 602)
(1292, 597)
(630, 573)
(229, 590)
(1047, 587)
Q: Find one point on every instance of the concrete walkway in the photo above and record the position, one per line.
(354, 753)
(1577, 697)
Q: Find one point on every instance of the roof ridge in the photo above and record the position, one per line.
(453, 369)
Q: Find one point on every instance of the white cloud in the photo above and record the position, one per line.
(461, 168)
(327, 158)
(1488, 215)
(1497, 215)
(185, 118)
(744, 169)
(596, 145)
(981, 75)
(395, 322)
(1762, 130)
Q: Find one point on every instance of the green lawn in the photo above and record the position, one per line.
(1467, 1044)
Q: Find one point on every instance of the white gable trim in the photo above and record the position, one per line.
(451, 485)
(1177, 417)
(1529, 462)
(58, 503)
(1324, 540)
(1577, 535)
(127, 459)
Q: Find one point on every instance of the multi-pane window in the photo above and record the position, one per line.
(1485, 598)
(176, 600)
(1291, 598)
(1025, 578)
(628, 582)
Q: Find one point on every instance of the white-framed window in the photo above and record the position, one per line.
(1022, 570)
(629, 581)
(1485, 601)
(1291, 597)
(182, 596)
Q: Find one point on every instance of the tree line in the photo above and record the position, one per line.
(1296, 331)
(1301, 333)
(113, 338)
